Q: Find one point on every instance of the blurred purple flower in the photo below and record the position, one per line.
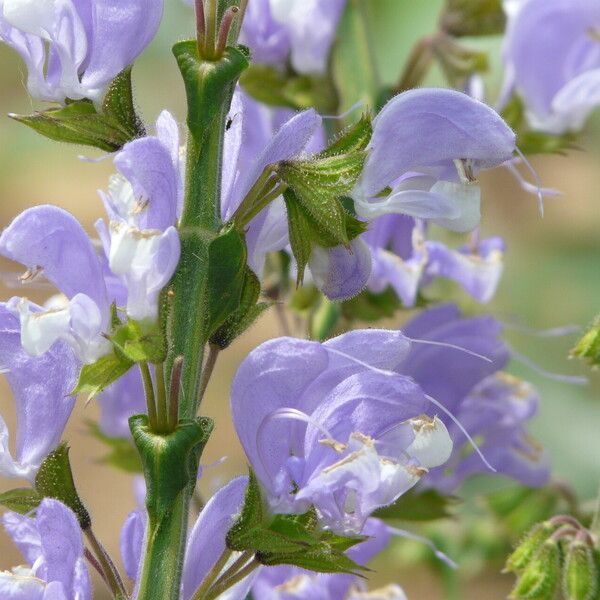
(492, 406)
(73, 49)
(52, 545)
(301, 30)
(552, 58)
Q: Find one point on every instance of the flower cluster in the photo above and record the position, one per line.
(201, 236)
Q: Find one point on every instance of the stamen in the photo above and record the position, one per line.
(31, 274)
(418, 538)
(572, 379)
(544, 333)
(430, 398)
(463, 430)
(292, 414)
(452, 347)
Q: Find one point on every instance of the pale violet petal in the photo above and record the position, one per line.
(466, 197)
(432, 445)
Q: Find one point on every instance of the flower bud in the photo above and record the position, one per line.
(540, 578)
(529, 545)
(588, 346)
(580, 575)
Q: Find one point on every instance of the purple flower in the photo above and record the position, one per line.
(48, 240)
(301, 30)
(552, 59)
(332, 425)
(259, 137)
(428, 146)
(490, 405)
(405, 260)
(40, 387)
(52, 545)
(143, 201)
(73, 49)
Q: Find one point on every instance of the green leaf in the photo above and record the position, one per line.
(55, 480)
(227, 276)
(274, 87)
(118, 104)
(79, 123)
(21, 500)
(289, 539)
(137, 342)
(538, 142)
(245, 316)
(473, 18)
(419, 506)
(588, 346)
(370, 307)
(98, 376)
(122, 453)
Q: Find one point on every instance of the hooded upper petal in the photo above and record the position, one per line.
(426, 127)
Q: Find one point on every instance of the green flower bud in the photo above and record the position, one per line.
(539, 581)
(588, 346)
(580, 576)
(528, 547)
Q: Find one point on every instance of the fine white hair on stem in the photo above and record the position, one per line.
(573, 379)
(423, 540)
(345, 114)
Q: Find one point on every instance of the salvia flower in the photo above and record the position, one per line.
(403, 258)
(301, 31)
(427, 147)
(552, 58)
(490, 405)
(73, 49)
(143, 200)
(49, 241)
(40, 387)
(52, 545)
(332, 425)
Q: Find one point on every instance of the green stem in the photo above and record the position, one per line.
(224, 584)
(211, 30)
(212, 575)
(149, 393)
(209, 88)
(161, 573)
(595, 526)
(111, 574)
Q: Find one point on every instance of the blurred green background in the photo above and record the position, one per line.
(552, 274)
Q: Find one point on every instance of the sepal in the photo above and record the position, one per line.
(55, 480)
(541, 577)
(580, 574)
(289, 539)
(80, 122)
(21, 500)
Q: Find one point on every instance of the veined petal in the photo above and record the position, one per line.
(121, 31)
(40, 387)
(425, 127)
(147, 163)
(432, 446)
(50, 239)
(21, 586)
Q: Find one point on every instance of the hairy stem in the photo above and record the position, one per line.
(207, 371)
(111, 573)
(149, 393)
(225, 583)
(212, 575)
